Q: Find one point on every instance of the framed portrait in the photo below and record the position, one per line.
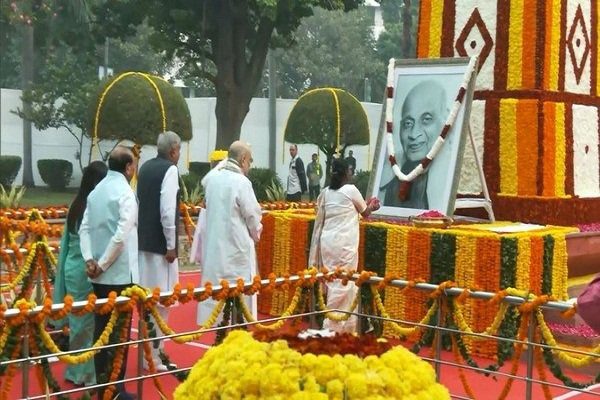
(425, 133)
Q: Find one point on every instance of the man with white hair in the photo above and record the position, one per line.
(233, 225)
(158, 195)
(424, 112)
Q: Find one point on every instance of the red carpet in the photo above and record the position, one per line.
(183, 318)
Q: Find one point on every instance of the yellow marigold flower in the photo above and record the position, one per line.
(335, 389)
(356, 385)
(242, 367)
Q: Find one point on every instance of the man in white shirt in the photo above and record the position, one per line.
(296, 183)
(158, 194)
(109, 246)
(232, 225)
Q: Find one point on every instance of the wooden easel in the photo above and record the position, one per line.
(475, 202)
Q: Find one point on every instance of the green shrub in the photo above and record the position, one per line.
(131, 109)
(11, 198)
(55, 173)
(9, 168)
(361, 180)
(263, 178)
(192, 192)
(200, 168)
(190, 181)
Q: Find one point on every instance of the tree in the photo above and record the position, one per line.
(331, 118)
(400, 18)
(62, 98)
(333, 48)
(68, 81)
(223, 41)
(23, 17)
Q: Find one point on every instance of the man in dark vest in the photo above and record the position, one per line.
(158, 195)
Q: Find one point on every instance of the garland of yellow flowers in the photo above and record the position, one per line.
(402, 331)
(335, 316)
(276, 325)
(34, 251)
(81, 357)
(490, 330)
(24, 271)
(573, 361)
(185, 338)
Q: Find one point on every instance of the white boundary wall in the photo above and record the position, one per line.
(58, 143)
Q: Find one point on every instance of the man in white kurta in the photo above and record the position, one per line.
(158, 193)
(109, 246)
(233, 225)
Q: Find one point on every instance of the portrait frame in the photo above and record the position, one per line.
(440, 177)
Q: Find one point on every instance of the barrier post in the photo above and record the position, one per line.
(140, 357)
(530, 357)
(438, 339)
(312, 307)
(25, 363)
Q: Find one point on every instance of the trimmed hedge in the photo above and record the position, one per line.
(55, 173)
(314, 119)
(262, 178)
(131, 109)
(9, 169)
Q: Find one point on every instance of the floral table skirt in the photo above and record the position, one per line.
(472, 257)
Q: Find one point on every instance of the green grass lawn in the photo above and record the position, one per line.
(44, 197)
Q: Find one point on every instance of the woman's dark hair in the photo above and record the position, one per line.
(339, 173)
(92, 174)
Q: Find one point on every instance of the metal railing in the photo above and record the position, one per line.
(26, 360)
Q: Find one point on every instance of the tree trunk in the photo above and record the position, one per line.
(231, 109)
(406, 28)
(27, 81)
(239, 63)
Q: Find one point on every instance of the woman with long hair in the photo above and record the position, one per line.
(71, 277)
(335, 237)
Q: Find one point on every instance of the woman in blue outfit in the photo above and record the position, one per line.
(71, 277)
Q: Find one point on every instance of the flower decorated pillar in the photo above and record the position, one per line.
(535, 114)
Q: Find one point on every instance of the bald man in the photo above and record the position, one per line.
(233, 224)
(109, 246)
(423, 115)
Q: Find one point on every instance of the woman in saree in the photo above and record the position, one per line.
(71, 277)
(335, 238)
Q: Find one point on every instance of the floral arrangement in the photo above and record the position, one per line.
(254, 369)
